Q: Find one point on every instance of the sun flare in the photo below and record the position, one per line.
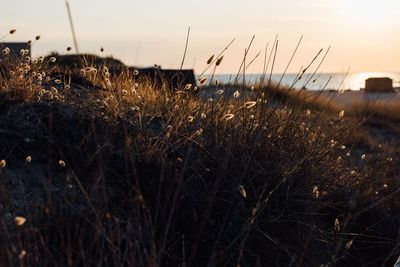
(370, 10)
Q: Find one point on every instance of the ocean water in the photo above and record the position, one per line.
(335, 81)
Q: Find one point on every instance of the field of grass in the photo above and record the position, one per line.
(105, 169)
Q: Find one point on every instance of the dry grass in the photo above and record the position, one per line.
(379, 110)
(122, 173)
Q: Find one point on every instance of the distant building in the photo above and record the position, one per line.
(158, 77)
(14, 51)
(379, 85)
(171, 78)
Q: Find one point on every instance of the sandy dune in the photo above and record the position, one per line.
(349, 98)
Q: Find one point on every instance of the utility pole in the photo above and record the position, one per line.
(71, 23)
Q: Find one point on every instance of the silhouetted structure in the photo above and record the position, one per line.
(379, 85)
(173, 79)
(15, 50)
(156, 76)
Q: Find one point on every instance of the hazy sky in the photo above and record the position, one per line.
(364, 35)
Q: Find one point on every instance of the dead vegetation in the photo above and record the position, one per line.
(101, 169)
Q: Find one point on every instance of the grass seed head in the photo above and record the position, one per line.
(348, 244)
(210, 60)
(315, 192)
(190, 119)
(203, 80)
(341, 114)
(219, 61)
(250, 104)
(6, 51)
(228, 116)
(336, 225)
(19, 220)
(22, 254)
(3, 163)
(242, 191)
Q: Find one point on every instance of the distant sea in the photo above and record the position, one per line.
(353, 81)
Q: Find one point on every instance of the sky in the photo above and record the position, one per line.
(363, 34)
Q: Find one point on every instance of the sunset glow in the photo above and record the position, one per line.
(147, 33)
(370, 12)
